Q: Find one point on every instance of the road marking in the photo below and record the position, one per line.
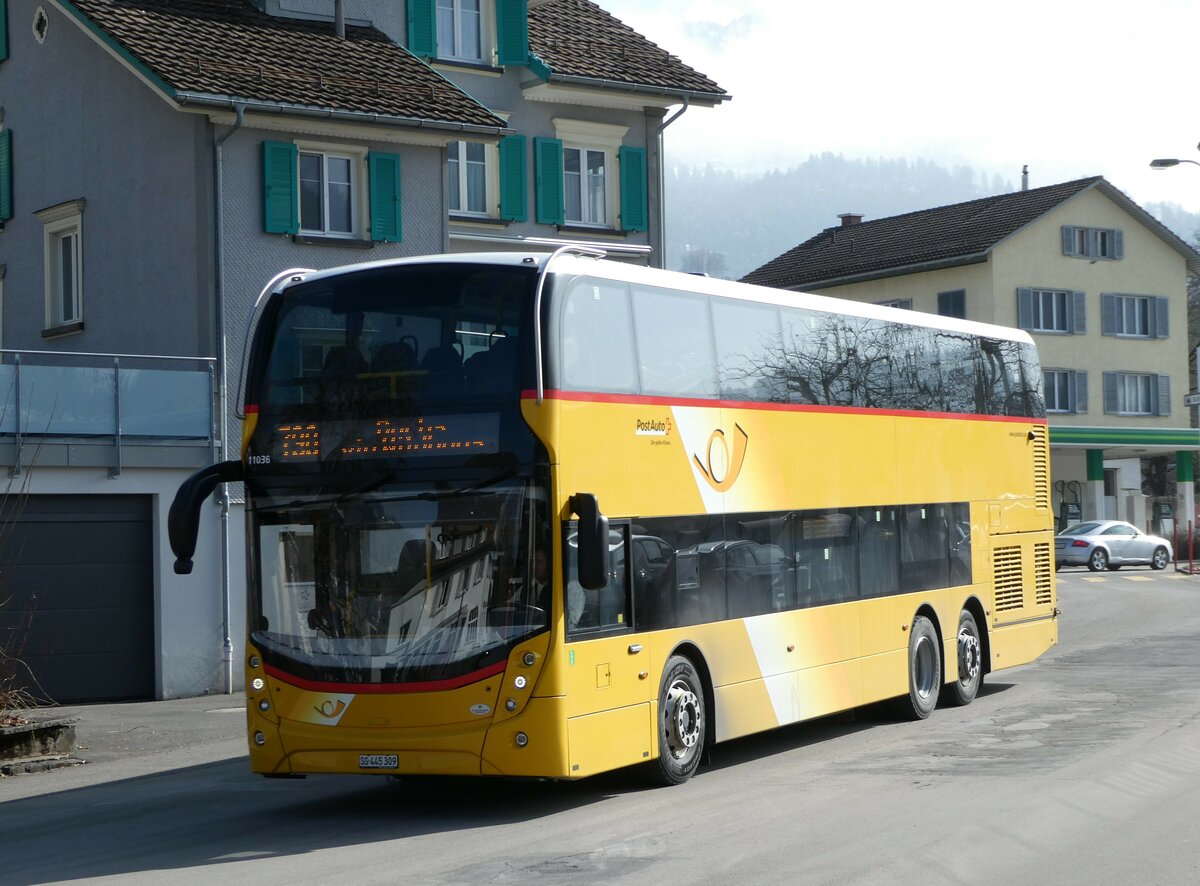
(1137, 578)
(1093, 578)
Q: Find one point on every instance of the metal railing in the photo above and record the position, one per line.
(105, 398)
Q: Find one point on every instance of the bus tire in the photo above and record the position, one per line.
(970, 661)
(924, 672)
(682, 722)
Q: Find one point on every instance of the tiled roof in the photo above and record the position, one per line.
(945, 235)
(576, 38)
(230, 49)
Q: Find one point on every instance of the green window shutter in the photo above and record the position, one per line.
(512, 178)
(6, 176)
(512, 43)
(281, 197)
(384, 173)
(634, 210)
(548, 180)
(422, 28)
(3, 30)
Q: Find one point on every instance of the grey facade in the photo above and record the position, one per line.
(134, 133)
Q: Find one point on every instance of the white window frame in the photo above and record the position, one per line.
(605, 138)
(1136, 385)
(1060, 310)
(1140, 307)
(491, 178)
(62, 224)
(487, 32)
(357, 158)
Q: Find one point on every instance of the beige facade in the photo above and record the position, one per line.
(1126, 401)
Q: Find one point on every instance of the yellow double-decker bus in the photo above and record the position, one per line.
(550, 515)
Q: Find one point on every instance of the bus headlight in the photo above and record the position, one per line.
(522, 739)
(529, 658)
(255, 661)
(264, 706)
(510, 704)
(260, 739)
(258, 683)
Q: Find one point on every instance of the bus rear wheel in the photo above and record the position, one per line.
(970, 660)
(924, 672)
(682, 721)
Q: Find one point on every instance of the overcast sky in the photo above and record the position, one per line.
(1072, 89)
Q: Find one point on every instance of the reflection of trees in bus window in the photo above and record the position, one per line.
(747, 335)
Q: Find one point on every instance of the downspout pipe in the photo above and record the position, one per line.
(662, 181)
(223, 385)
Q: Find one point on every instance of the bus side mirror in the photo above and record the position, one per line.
(593, 541)
(183, 520)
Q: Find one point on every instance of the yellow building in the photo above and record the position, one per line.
(1102, 286)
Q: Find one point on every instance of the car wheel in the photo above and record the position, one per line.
(1160, 559)
(1098, 561)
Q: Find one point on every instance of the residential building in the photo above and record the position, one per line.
(160, 161)
(1099, 283)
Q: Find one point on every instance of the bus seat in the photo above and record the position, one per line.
(342, 362)
(394, 356)
(444, 365)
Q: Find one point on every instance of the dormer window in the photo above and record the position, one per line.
(460, 30)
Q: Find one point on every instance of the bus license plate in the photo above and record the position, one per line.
(378, 761)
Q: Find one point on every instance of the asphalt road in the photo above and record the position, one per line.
(1083, 767)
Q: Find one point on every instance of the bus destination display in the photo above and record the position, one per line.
(380, 438)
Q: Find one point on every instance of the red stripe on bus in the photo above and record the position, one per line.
(368, 688)
(644, 400)
(251, 409)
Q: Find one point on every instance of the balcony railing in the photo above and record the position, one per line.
(62, 398)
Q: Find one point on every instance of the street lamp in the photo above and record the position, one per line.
(1167, 163)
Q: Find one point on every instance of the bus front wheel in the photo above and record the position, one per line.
(682, 721)
(924, 671)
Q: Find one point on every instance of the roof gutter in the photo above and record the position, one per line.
(692, 95)
(211, 100)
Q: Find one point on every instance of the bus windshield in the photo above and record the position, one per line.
(410, 583)
(394, 340)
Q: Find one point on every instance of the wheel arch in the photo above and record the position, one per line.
(692, 653)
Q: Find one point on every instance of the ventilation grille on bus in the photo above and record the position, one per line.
(1043, 567)
(1006, 574)
(1041, 468)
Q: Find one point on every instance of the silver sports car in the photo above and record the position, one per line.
(1109, 544)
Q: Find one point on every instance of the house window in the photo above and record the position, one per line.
(585, 185)
(1137, 393)
(63, 246)
(327, 194)
(468, 177)
(1065, 390)
(460, 29)
(904, 304)
(1136, 316)
(335, 192)
(953, 303)
(586, 176)
(1051, 310)
(1093, 243)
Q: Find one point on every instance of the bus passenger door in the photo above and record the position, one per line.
(608, 682)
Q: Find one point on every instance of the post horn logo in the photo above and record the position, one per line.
(331, 708)
(730, 463)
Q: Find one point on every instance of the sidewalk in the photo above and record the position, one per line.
(131, 731)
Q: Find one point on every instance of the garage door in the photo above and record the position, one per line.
(77, 594)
